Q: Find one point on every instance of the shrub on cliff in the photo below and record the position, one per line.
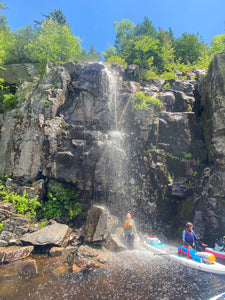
(60, 202)
(143, 101)
(23, 204)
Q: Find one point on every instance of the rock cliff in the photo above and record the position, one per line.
(78, 125)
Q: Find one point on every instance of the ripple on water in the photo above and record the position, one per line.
(128, 275)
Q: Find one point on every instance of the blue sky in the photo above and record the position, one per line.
(92, 20)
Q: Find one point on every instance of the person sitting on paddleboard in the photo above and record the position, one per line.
(189, 237)
(129, 231)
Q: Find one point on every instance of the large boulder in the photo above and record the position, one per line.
(100, 224)
(55, 234)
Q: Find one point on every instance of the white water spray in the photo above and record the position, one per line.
(112, 93)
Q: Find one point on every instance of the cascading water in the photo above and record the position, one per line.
(113, 174)
(112, 91)
(112, 168)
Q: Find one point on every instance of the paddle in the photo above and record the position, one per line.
(200, 245)
(165, 253)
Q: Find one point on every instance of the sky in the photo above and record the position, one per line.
(93, 20)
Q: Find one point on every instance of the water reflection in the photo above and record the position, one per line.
(128, 275)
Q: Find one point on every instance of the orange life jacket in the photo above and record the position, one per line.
(128, 226)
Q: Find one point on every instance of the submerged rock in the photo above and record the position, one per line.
(23, 268)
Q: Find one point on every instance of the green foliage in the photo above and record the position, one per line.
(91, 56)
(117, 60)
(158, 52)
(124, 30)
(143, 101)
(111, 57)
(53, 43)
(60, 203)
(217, 45)
(56, 15)
(42, 224)
(172, 156)
(188, 48)
(167, 86)
(22, 203)
(16, 46)
(3, 30)
(10, 101)
(1, 226)
(187, 155)
(2, 17)
(3, 179)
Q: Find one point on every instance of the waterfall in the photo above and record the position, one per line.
(111, 169)
(112, 90)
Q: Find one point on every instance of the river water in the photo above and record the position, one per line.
(136, 274)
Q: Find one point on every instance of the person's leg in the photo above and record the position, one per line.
(131, 242)
(126, 241)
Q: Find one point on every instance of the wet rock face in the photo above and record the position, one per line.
(78, 125)
(213, 107)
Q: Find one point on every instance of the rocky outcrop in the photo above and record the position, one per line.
(79, 125)
(17, 73)
(14, 226)
(213, 108)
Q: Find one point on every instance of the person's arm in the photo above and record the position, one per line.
(195, 237)
(183, 236)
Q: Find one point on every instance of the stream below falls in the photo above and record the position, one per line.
(136, 274)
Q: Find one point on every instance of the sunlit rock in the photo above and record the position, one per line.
(55, 234)
(12, 253)
(100, 224)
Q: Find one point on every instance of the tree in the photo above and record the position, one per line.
(188, 48)
(91, 56)
(54, 43)
(3, 21)
(145, 48)
(167, 51)
(217, 45)
(124, 30)
(16, 45)
(3, 30)
(146, 28)
(56, 14)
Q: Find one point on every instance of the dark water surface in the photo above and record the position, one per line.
(128, 275)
